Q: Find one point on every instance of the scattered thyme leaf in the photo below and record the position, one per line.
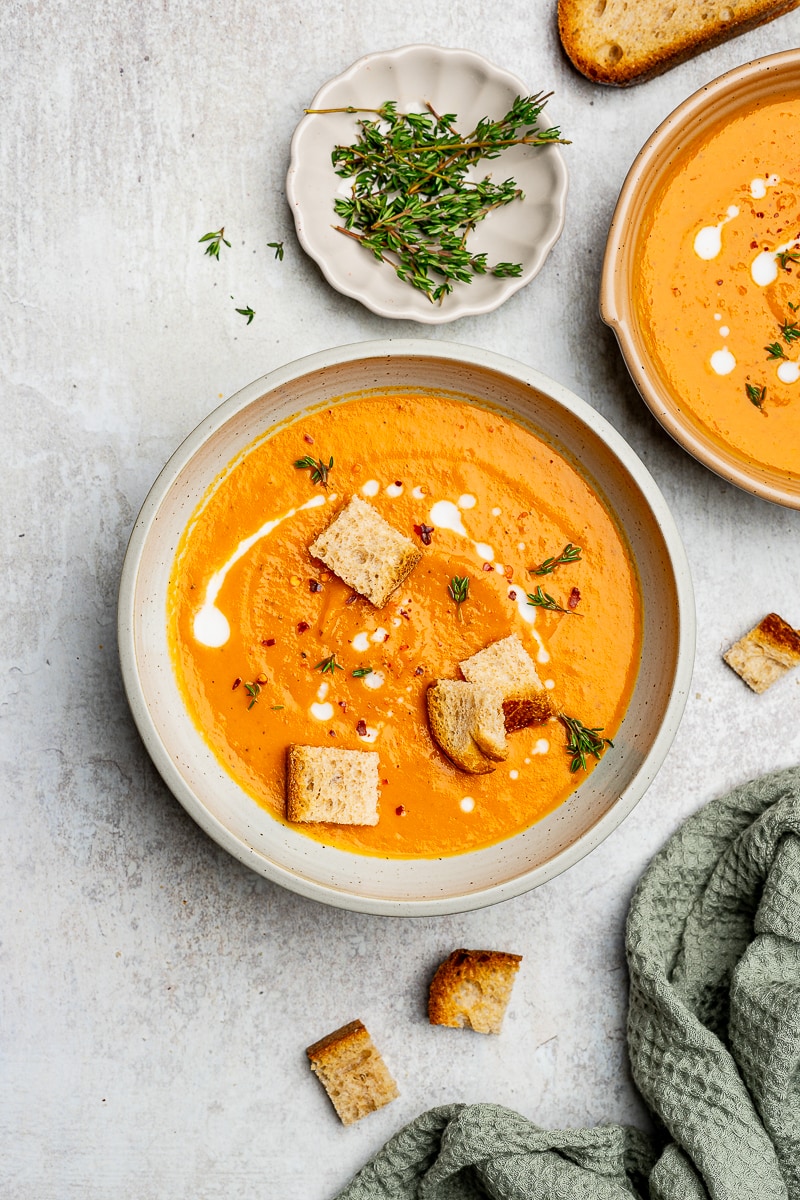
(276, 707)
(278, 248)
(790, 330)
(786, 257)
(569, 554)
(542, 599)
(458, 590)
(215, 239)
(774, 350)
(582, 741)
(328, 666)
(319, 470)
(755, 394)
(254, 691)
(360, 672)
(246, 312)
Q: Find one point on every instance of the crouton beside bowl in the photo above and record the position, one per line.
(280, 850)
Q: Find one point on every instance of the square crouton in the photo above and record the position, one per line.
(506, 664)
(472, 988)
(366, 552)
(324, 784)
(766, 653)
(352, 1072)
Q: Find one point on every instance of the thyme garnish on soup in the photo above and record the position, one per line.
(319, 470)
(569, 554)
(582, 741)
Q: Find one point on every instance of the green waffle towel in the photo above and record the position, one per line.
(713, 942)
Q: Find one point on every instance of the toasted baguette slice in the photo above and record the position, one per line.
(506, 664)
(467, 722)
(324, 784)
(766, 653)
(472, 989)
(352, 1072)
(620, 42)
(366, 551)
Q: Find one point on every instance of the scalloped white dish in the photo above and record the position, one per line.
(456, 81)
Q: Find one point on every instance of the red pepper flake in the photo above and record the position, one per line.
(302, 626)
(343, 705)
(403, 613)
(512, 595)
(361, 728)
(574, 598)
(400, 810)
(404, 646)
(488, 567)
(351, 599)
(398, 483)
(754, 245)
(720, 282)
(332, 732)
(308, 438)
(385, 782)
(424, 533)
(237, 681)
(419, 671)
(314, 585)
(268, 642)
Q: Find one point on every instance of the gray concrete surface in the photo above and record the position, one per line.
(156, 995)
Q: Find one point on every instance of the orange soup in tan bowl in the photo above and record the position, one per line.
(701, 280)
(238, 642)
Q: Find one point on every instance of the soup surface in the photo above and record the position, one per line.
(719, 286)
(253, 619)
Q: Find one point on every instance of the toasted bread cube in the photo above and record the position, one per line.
(766, 653)
(506, 664)
(472, 988)
(366, 551)
(324, 784)
(466, 721)
(352, 1072)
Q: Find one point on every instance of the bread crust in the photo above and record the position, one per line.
(766, 653)
(351, 1070)
(472, 988)
(598, 41)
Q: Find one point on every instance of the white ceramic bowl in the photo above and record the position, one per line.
(417, 886)
(456, 81)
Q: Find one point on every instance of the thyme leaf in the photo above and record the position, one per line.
(458, 590)
(278, 248)
(319, 470)
(582, 741)
(755, 394)
(569, 554)
(246, 312)
(542, 599)
(786, 257)
(790, 330)
(254, 691)
(328, 666)
(360, 672)
(215, 239)
(774, 350)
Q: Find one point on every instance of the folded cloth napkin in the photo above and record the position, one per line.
(713, 942)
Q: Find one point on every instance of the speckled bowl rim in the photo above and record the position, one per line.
(683, 626)
(355, 273)
(690, 119)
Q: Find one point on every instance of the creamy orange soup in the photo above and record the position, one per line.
(719, 285)
(253, 618)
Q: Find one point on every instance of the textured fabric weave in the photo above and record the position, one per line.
(713, 944)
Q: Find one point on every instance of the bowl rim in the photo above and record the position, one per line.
(413, 308)
(616, 307)
(339, 897)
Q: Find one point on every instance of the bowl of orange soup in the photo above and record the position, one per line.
(527, 515)
(701, 279)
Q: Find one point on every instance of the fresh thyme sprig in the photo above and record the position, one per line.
(755, 394)
(542, 599)
(278, 248)
(458, 590)
(412, 204)
(774, 350)
(328, 666)
(319, 470)
(582, 741)
(246, 312)
(790, 330)
(786, 257)
(215, 239)
(360, 672)
(254, 691)
(569, 554)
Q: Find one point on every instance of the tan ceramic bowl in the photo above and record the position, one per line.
(423, 886)
(716, 103)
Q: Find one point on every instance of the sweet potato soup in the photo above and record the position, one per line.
(271, 648)
(719, 288)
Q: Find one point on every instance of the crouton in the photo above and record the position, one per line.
(366, 552)
(324, 784)
(766, 653)
(506, 664)
(352, 1072)
(472, 988)
(467, 722)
